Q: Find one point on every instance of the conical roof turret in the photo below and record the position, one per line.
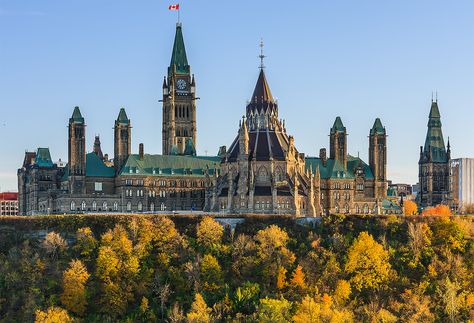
(434, 148)
(338, 126)
(76, 116)
(179, 61)
(122, 117)
(377, 128)
(262, 92)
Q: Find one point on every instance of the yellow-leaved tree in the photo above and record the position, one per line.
(116, 270)
(53, 315)
(274, 310)
(272, 252)
(74, 296)
(200, 312)
(209, 233)
(367, 263)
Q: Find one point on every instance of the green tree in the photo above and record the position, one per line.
(74, 296)
(86, 244)
(211, 277)
(367, 263)
(246, 298)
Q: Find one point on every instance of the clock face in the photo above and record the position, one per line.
(181, 84)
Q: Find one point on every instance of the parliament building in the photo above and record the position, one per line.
(262, 171)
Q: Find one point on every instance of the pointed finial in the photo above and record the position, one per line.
(432, 97)
(261, 54)
(436, 96)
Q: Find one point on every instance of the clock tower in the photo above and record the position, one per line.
(179, 103)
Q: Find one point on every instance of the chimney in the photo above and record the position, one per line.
(140, 151)
(322, 156)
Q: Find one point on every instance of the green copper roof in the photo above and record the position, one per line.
(434, 111)
(390, 205)
(434, 148)
(165, 165)
(43, 158)
(76, 116)
(377, 128)
(122, 117)
(338, 126)
(189, 150)
(95, 167)
(334, 168)
(179, 61)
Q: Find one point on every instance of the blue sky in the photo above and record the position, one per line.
(356, 59)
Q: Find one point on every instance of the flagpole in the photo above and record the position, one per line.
(178, 15)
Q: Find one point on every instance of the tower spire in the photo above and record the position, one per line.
(261, 54)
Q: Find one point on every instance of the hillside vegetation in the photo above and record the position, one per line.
(141, 268)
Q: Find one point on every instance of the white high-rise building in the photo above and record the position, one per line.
(462, 181)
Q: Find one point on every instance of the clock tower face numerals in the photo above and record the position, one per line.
(181, 84)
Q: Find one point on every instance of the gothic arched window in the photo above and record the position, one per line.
(73, 206)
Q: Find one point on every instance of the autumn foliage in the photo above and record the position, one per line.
(266, 269)
(440, 209)
(410, 207)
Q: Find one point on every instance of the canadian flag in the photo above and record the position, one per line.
(174, 7)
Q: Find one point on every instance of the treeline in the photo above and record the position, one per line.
(144, 269)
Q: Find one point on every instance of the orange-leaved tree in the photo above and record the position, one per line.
(297, 280)
(439, 209)
(410, 208)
